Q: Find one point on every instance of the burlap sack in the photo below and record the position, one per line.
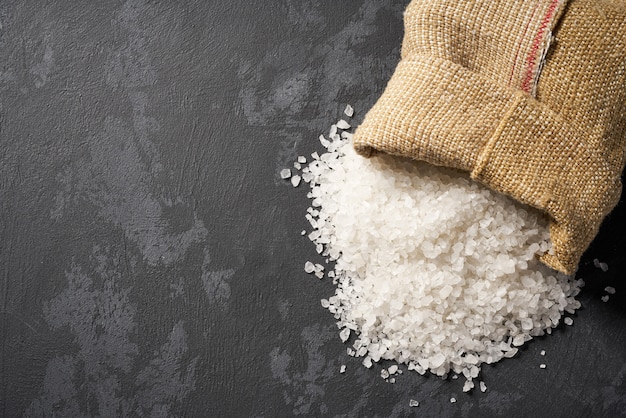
(526, 95)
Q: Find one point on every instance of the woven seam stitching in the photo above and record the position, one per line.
(531, 60)
(521, 41)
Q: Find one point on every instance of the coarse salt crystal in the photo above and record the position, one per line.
(452, 400)
(610, 290)
(602, 266)
(568, 321)
(349, 111)
(367, 362)
(309, 267)
(413, 403)
(393, 369)
(301, 159)
(342, 369)
(295, 180)
(542, 366)
(344, 334)
(342, 124)
(483, 387)
(605, 298)
(285, 173)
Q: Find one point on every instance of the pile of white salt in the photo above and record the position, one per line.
(432, 270)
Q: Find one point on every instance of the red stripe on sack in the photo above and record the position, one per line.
(519, 47)
(531, 60)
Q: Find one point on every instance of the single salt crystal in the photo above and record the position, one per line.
(413, 403)
(437, 360)
(384, 373)
(344, 334)
(367, 362)
(542, 366)
(468, 385)
(392, 380)
(393, 369)
(315, 155)
(325, 303)
(342, 124)
(602, 266)
(295, 180)
(350, 351)
(349, 111)
(342, 369)
(452, 400)
(285, 173)
(303, 232)
(297, 165)
(483, 387)
(605, 298)
(610, 290)
(543, 352)
(319, 274)
(568, 321)
(302, 159)
(309, 267)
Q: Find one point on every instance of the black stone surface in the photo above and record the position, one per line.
(151, 262)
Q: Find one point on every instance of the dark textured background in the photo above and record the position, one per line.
(151, 261)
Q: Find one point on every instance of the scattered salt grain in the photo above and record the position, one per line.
(393, 369)
(297, 165)
(309, 267)
(602, 266)
(342, 369)
(468, 385)
(568, 321)
(349, 111)
(605, 298)
(285, 173)
(452, 400)
(610, 290)
(413, 403)
(344, 334)
(302, 159)
(483, 387)
(303, 232)
(542, 366)
(384, 373)
(295, 180)
(342, 124)
(367, 362)
(543, 352)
